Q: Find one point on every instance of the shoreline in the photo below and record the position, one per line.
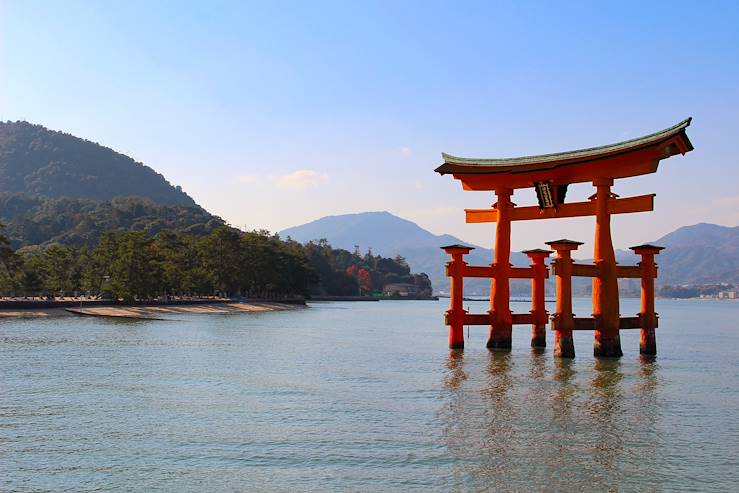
(323, 298)
(151, 311)
(73, 302)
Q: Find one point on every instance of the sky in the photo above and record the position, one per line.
(272, 114)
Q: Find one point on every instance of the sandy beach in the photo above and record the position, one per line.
(33, 313)
(152, 311)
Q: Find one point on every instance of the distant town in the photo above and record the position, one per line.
(722, 291)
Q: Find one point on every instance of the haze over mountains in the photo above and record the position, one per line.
(702, 253)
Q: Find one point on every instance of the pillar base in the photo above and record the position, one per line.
(607, 345)
(564, 346)
(500, 339)
(456, 338)
(648, 343)
(539, 336)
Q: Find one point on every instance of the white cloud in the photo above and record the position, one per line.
(301, 179)
(406, 151)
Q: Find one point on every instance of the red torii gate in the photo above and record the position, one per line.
(550, 175)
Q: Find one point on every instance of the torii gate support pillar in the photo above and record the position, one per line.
(455, 316)
(538, 309)
(605, 284)
(563, 321)
(648, 343)
(501, 326)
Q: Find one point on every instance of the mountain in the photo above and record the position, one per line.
(702, 253)
(38, 161)
(390, 235)
(57, 188)
(381, 231)
(699, 254)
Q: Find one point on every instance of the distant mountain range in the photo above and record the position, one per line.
(700, 254)
(55, 187)
(703, 253)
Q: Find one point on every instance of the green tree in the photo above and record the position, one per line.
(134, 272)
(59, 268)
(96, 272)
(135, 265)
(8, 264)
(221, 256)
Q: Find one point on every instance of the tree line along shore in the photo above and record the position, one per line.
(136, 266)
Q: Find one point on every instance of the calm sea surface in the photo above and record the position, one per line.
(364, 397)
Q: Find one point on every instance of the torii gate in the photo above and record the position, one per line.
(550, 175)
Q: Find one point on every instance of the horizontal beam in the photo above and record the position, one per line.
(522, 273)
(522, 318)
(584, 323)
(588, 323)
(477, 319)
(584, 270)
(487, 271)
(587, 270)
(628, 271)
(642, 203)
(630, 323)
(485, 319)
(580, 323)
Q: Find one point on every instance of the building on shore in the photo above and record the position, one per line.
(400, 289)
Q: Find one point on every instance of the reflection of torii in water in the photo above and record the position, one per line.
(550, 175)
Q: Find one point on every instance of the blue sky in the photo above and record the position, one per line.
(272, 114)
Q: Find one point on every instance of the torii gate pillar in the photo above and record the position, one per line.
(501, 326)
(538, 291)
(648, 344)
(605, 284)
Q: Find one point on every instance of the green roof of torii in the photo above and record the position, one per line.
(454, 164)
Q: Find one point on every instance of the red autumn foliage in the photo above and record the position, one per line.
(365, 281)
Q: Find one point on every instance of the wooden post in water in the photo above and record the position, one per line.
(538, 309)
(563, 321)
(648, 343)
(605, 284)
(501, 326)
(456, 313)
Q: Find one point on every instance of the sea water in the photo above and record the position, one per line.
(365, 397)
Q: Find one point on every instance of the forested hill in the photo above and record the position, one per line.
(39, 161)
(35, 220)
